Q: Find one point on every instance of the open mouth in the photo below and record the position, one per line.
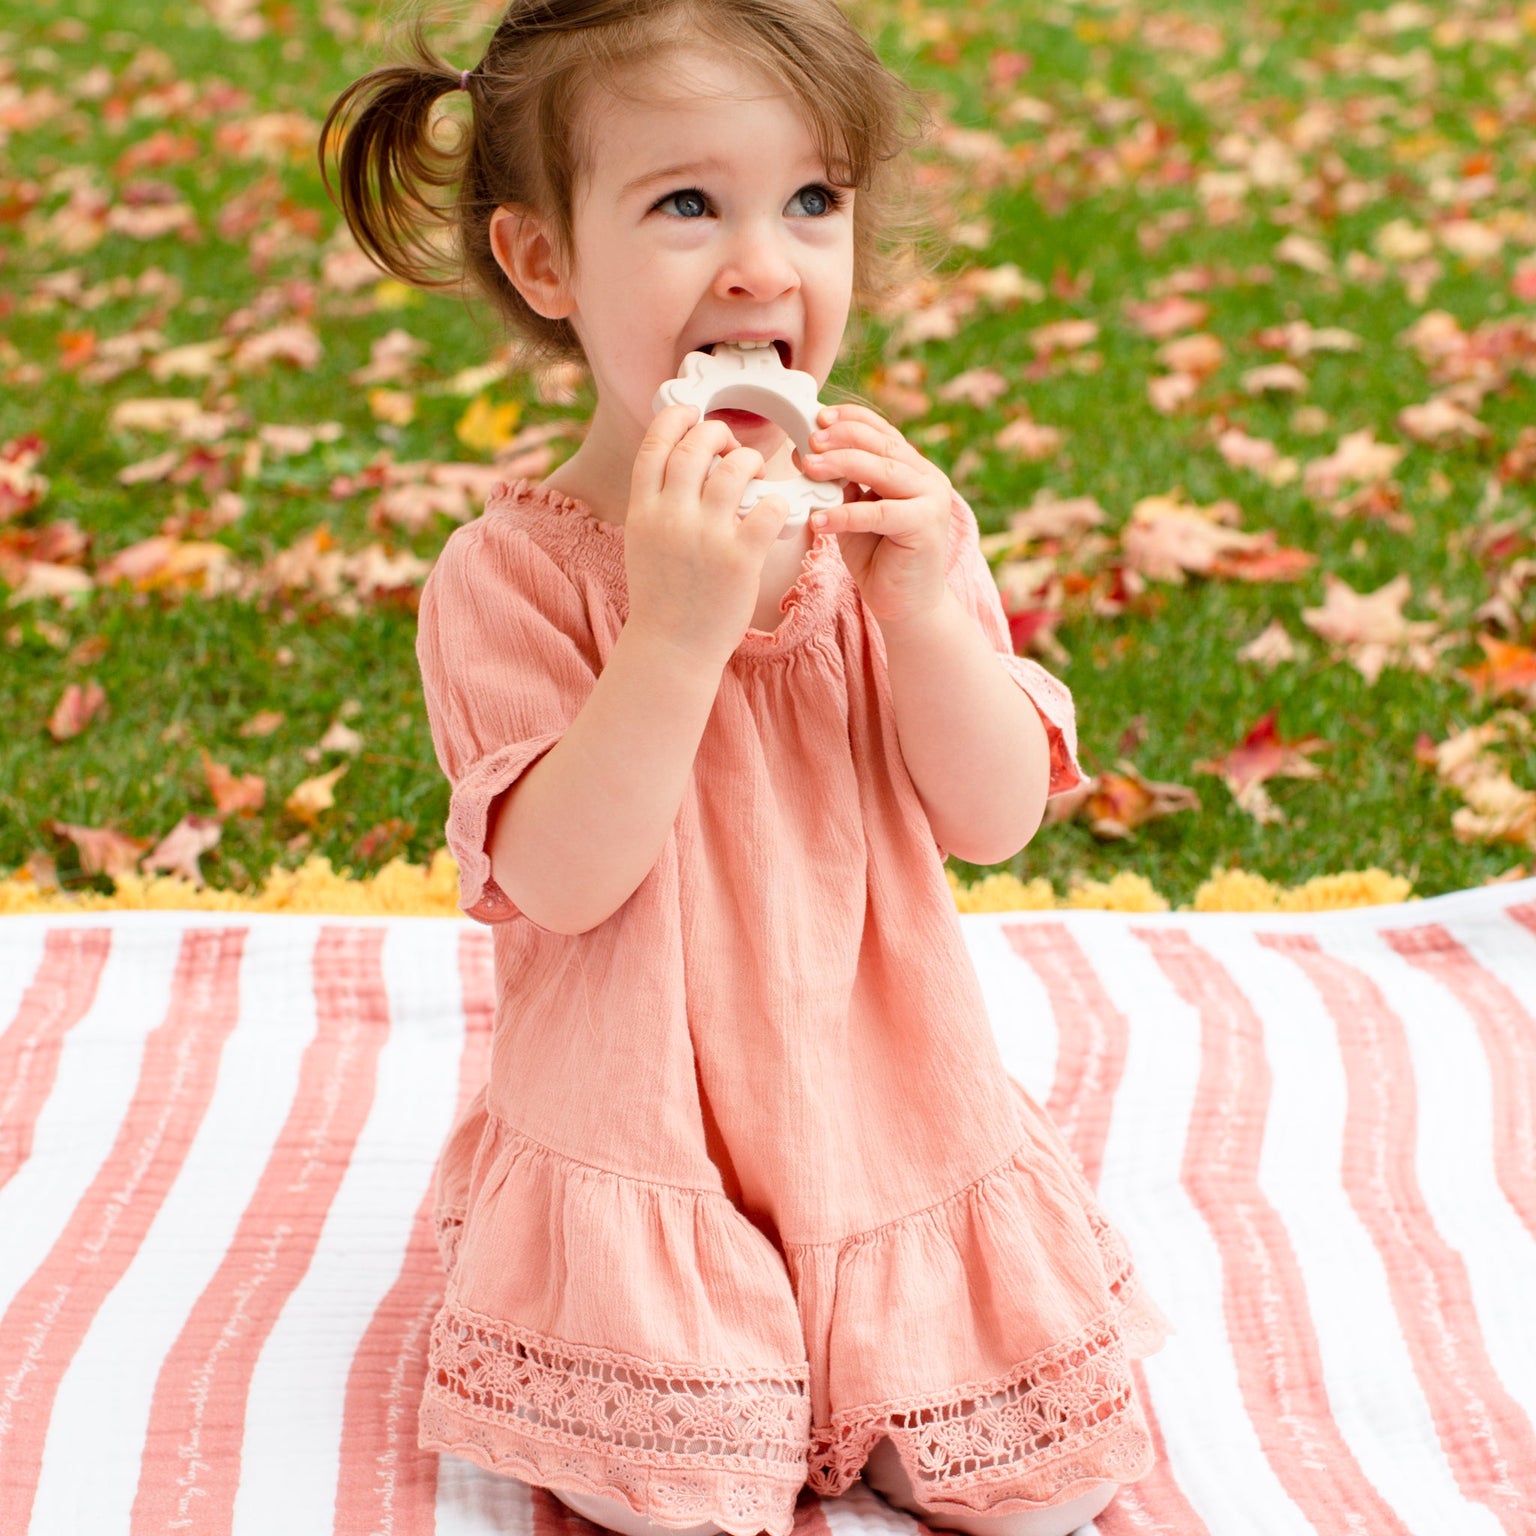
(779, 344)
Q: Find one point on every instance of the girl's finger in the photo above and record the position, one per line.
(693, 457)
(879, 471)
(851, 434)
(661, 437)
(859, 413)
(854, 517)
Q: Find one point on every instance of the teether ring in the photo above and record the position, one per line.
(749, 376)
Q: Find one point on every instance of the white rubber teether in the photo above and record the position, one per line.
(751, 377)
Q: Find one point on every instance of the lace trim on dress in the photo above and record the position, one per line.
(1071, 1409)
(679, 1444)
(1050, 1429)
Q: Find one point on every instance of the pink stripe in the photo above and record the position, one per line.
(386, 1485)
(1279, 1368)
(1483, 1432)
(1093, 1039)
(55, 1308)
(1093, 1035)
(1508, 1036)
(56, 999)
(191, 1467)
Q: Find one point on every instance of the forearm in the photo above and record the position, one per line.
(582, 828)
(972, 739)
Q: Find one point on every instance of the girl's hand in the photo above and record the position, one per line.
(894, 536)
(694, 565)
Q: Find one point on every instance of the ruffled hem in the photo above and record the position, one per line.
(697, 1445)
(749, 1375)
(706, 1414)
(1054, 1299)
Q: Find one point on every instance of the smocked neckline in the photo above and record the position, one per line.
(807, 606)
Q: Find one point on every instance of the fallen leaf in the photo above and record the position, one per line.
(1063, 336)
(1370, 627)
(340, 737)
(76, 708)
(262, 723)
(1028, 440)
(1275, 378)
(1440, 422)
(102, 850)
(1358, 457)
(1271, 646)
(1507, 669)
(247, 793)
(1168, 392)
(1161, 318)
(1261, 755)
(1199, 355)
(395, 406)
(313, 795)
(1123, 801)
(979, 387)
(1304, 252)
(178, 851)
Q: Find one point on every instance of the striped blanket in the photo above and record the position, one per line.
(217, 1133)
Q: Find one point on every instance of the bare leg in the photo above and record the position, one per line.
(886, 1475)
(616, 1515)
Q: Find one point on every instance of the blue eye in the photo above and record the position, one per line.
(832, 198)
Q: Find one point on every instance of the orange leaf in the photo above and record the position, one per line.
(75, 710)
(1123, 801)
(1508, 669)
(247, 793)
(313, 796)
(262, 723)
(102, 850)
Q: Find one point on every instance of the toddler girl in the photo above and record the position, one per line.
(749, 1202)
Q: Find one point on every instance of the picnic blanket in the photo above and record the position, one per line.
(217, 1269)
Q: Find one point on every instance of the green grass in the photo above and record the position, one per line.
(183, 673)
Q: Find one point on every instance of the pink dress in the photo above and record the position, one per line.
(749, 1186)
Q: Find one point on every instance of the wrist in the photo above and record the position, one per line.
(672, 655)
(920, 629)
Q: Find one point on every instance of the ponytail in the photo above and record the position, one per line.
(388, 160)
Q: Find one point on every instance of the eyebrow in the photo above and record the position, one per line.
(713, 163)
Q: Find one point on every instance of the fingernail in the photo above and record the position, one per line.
(830, 413)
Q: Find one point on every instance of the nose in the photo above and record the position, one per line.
(758, 262)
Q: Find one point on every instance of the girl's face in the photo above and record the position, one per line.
(708, 214)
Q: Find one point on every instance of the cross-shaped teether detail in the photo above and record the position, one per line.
(755, 379)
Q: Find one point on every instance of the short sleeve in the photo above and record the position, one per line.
(971, 580)
(507, 661)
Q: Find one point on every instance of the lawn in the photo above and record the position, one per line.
(1236, 327)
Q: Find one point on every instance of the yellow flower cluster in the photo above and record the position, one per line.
(401, 889)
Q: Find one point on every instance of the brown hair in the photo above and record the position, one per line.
(523, 146)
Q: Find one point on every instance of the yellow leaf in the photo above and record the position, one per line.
(488, 426)
(391, 294)
(313, 796)
(395, 406)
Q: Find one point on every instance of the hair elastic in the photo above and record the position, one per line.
(464, 75)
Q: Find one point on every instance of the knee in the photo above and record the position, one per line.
(886, 1475)
(616, 1515)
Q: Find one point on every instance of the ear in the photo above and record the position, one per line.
(524, 251)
